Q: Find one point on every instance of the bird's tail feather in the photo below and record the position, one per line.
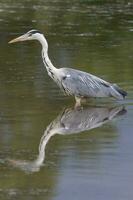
(117, 92)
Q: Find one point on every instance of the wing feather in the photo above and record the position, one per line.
(84, 84)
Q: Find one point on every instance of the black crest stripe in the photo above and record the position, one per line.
(33, 32)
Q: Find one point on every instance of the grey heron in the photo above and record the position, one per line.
(73, 82)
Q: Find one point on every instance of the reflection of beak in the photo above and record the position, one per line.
(18, 39)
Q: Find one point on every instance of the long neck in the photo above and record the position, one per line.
(47, 62)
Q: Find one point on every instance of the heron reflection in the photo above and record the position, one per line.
(69, 121)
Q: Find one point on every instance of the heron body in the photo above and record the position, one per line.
(71, 81)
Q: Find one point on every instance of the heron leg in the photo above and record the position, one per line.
(78, 102)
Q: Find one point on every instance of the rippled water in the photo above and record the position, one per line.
(48, 150)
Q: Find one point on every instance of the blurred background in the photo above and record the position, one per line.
(91, 35)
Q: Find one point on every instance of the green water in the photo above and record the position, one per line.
(47, 149)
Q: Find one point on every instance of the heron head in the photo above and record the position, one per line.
(30, 35)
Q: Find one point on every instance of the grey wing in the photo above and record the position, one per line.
(79, 83)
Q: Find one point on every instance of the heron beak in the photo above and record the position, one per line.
(18, 39)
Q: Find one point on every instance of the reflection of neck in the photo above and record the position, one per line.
(42, 146)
